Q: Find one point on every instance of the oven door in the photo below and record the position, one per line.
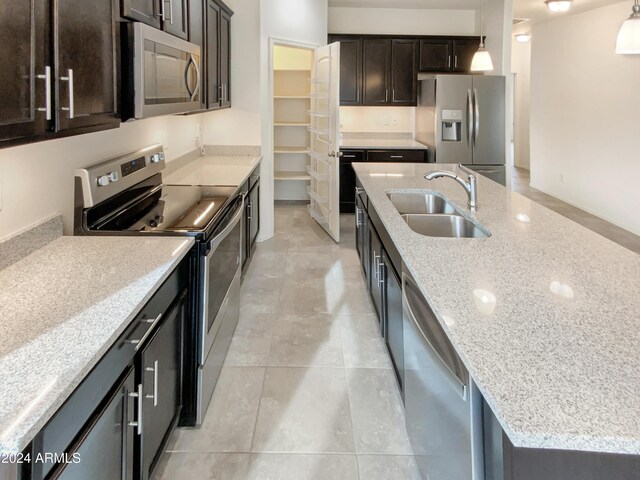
(220, 266)
(166, 73)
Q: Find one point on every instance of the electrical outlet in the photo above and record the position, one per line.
(394, 121)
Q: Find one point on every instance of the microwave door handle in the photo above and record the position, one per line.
(196, 90)
(186, 77)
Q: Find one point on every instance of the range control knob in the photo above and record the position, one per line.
(113, 176)
(156, 221)
(156, 157)
(103, 180)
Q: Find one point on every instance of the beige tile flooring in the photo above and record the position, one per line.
(520, 179)
(307, 391)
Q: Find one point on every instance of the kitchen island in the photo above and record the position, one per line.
(551, 341)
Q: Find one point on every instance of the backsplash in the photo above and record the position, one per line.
(378, 119)
(17, 246)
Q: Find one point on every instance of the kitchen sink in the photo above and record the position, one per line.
(443, 225)
(424, 203)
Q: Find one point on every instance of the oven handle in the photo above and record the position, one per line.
(217, 240)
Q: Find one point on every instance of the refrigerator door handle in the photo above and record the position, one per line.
(469, 116)
(476, 129)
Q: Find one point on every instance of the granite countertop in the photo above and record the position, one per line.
(382, 143)
(62, 307)
(228, 170)
(545, 314)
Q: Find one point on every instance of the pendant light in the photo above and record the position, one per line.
(481, 59)
(629, 35)
(558, 5)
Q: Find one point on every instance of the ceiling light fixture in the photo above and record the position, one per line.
(522, 37)
(558, 5)
(481, 61)
(628, 41)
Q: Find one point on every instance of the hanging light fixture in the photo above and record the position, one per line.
(629, 35)
(558, 5)
(481, 61)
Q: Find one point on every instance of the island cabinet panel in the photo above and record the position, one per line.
(376, 71)
(504, 461)
(24, 52)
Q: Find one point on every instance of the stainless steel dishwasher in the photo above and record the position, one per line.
(442, 404)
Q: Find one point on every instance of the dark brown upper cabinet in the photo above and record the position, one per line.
(86, 64)
(463, 52)
(26, 78)
(350, 69)
(197, 35)
(403, 72)
(218, 55)
(447, 55)
(169, 15)
(376, 71)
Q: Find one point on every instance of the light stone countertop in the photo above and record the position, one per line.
(227, 170)
(559, 370)
(382, 143)
(61, 309)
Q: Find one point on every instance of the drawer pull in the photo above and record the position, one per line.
(397, 156)
(154, 369)
(349, 156)
(153, 323)
(137, 423)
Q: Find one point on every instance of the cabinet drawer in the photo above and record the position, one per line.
(349, 156)
(396, 156)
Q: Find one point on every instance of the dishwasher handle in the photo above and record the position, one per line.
(423, 331)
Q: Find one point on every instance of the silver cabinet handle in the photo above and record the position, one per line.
(380, 269)
(357, 95)
(153, 322)
(396, 156)
(455, 62)
(155, 383)
(358, 224)
(386, 95)
(69, 80)
(349, 156)
(449, 62)
(47, 92)
(393, 94)
(250, 208)
(359, 190)
(137, 423)
(476, 130)
(163, 13)
(171, 11)
(376, 260)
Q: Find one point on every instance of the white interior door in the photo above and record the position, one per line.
(324, 115)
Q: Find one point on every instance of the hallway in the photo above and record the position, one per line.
(307, 391)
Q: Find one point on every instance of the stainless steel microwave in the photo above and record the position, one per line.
(166, 73)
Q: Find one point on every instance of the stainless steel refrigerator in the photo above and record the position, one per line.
(462, 120)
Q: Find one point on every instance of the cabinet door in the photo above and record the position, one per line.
(213, 52)
(160, 375)
(350, 70)
(176, 18)
(348, 179)
(254, 215)
(225, 58)
(463, 51)
(197, 33)
(435, 55)
(404, 74)
(396, 155)
(362, 236)
(145, 11)
(393, 317)
(24, 56)
(105, 448)
(376, 58)
(376, 281)
(86, 45)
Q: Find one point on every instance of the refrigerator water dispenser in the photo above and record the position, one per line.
(451, 125)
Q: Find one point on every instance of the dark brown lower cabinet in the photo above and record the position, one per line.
(159, 374)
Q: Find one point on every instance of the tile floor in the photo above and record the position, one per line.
(520, 179)
(307, 391)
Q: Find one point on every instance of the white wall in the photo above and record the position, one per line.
(521, 66)
(497, 18)
(299, 21)
(377, 119)
(37, 179)
(585, 113)
(240, 125)
(401, 21)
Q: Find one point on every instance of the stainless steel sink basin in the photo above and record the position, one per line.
(420, 203)
(451, 226)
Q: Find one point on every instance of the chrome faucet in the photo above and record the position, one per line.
(470, 186)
